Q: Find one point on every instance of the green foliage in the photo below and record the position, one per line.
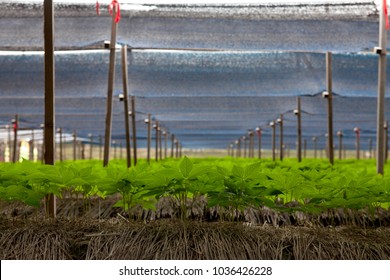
(231, 184)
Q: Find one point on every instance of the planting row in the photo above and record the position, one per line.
(231, 184)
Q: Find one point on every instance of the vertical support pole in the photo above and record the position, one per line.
(272, 124)
(125, 78)
(165, 133)
(258, 130)
(100, 147)
(15, 123)
(134, 130)
(110, 88)
(280, 121)
(160, 142)
(380, 148)
(156, 149)
(172, 144)
(340, 135)
(357, 131)
(149, 123)
(90, 145)
(74, 145)
(61, 145)
(49, 133)
(330, 105)
(244, 139)
(177, 148)
(299, 129)
(315, 146)
(238, 147)
(386, 128)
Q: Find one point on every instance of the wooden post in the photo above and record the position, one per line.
(272, 125)
(61, 144)
(357, 131)
(386, 128)
(172, 144)
(165, 133)
(110, 88)
(148, 121)
(49, 133)
(381, 51)
(258, 131)
(329, 95)
(244, 139)
(155, 126)
(125, 78)
(15, 123)
(280, 121)
(100, 147)
(298, 113)
(134, 130)
(74, 145)
(315, 146)
(340, 135)
(90, 144)
(160, 142)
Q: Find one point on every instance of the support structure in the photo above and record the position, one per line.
(329, 96)
(280, 122)
(258, 131)
(134, 130)
(126, 104)
(272, 125)
(381, 51)
(148, 121)
(15, 123)
(110, 88)
(298, 113)
(49, 130)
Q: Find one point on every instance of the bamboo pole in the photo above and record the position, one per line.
(110, 88)
(125, 78)
(380, 149)
(49, 134)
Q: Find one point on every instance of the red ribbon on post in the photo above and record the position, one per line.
(386, 14)
(115, 5)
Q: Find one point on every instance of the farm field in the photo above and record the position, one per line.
(203, 204)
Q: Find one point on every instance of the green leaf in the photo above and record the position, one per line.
(185, 167)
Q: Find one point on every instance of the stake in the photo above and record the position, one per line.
(272, 125)
(357, 131)
(74, 145)
(110, 89)
(165, 133)
(172, 144)
(126, 104)
(299, 129)
(15, 123)
(61, 152)
(156, 149)
(49, 133)
(280, 121)
(315, 146)
(160, 141)
(134, 130)
(148, 121)
(340, 135)
(330, 105)
(258, 130)
(90, 145)
(380, 148)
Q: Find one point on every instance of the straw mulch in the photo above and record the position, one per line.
(168, 239)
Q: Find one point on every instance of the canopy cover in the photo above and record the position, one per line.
(207, 73)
